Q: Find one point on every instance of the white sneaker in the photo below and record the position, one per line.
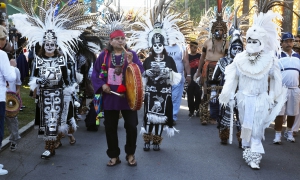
(254, 165)
(1, 166)
(3, 171)
(289, 136)
(277, 139)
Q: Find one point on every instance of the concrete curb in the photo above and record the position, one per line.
(22, 132)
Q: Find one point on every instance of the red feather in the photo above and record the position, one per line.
(219, 6)
(121, 89)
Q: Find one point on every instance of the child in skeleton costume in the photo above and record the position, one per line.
(158, 106)
(258, 99)
(52, 30)
(159, 76)
(235, 47)
(214, 48)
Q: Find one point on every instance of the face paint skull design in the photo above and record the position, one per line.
(158, 48)
(253, 46)
(235, 49)
(49, 47)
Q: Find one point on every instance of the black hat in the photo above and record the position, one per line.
(158, 38)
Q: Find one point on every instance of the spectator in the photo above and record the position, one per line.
(12, 122)
(7, 73)
(290, 62)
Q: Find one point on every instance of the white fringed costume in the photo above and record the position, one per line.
(258, 100)
(53, 29)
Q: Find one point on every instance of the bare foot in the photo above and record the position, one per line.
(213, 121)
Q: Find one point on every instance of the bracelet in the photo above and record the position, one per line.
(188, 75)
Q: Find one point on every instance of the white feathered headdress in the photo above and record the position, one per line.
(162, 20)
(66, 24)
(141, 39)
(264, 29)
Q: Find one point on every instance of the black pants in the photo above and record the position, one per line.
(193, 96)
(111, 120)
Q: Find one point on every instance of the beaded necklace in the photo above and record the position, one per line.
(118, 68)
(114, 59)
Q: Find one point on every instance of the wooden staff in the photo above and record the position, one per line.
(121, 95)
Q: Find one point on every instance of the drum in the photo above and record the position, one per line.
(134, 86)
(13, 104)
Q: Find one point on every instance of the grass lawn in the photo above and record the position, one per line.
(28, 113)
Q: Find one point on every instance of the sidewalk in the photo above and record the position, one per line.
(22, 132)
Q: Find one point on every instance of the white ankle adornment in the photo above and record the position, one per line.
(252, 158)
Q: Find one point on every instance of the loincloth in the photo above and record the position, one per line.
(208, 68)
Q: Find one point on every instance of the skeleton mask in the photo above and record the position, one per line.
(52, 124)
(254, 46)
(50, 47)
(218, 34)
(235, 49)
(158, 48)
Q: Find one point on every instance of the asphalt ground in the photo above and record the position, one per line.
(193, 153)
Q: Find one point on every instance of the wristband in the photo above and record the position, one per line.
(188, 75)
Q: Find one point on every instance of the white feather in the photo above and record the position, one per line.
(79, 77)
(32, 83)
(176, 78)
(143, 130)
(171, 131)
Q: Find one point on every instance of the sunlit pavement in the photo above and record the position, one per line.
(193, 153)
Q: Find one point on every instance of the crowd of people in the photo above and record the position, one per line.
(249, 84)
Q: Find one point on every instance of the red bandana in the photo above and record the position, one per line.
(116, 33)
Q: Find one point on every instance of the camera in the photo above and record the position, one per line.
(13, 32)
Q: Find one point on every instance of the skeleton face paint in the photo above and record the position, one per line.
(49, 47)
(158, 48)
(235, 49)
(254, 46)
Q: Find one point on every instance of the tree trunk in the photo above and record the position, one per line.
(287, 18)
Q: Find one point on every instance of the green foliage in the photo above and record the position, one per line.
(196, 8)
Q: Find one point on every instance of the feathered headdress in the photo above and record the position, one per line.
(218, 23)
(158, 22)
(235, 32)
(110, 22)
(64, 25)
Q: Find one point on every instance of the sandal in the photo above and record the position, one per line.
(113, 163)
(72, 140)
(132, 162)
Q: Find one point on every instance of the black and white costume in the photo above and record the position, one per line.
(52, 30)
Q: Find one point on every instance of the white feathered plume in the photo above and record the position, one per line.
(66, 38)
(141, 39)
(266, 30)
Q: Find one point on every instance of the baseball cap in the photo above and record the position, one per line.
(286, 36)
(3, 32)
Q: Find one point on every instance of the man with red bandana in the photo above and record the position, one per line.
(109, 75)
